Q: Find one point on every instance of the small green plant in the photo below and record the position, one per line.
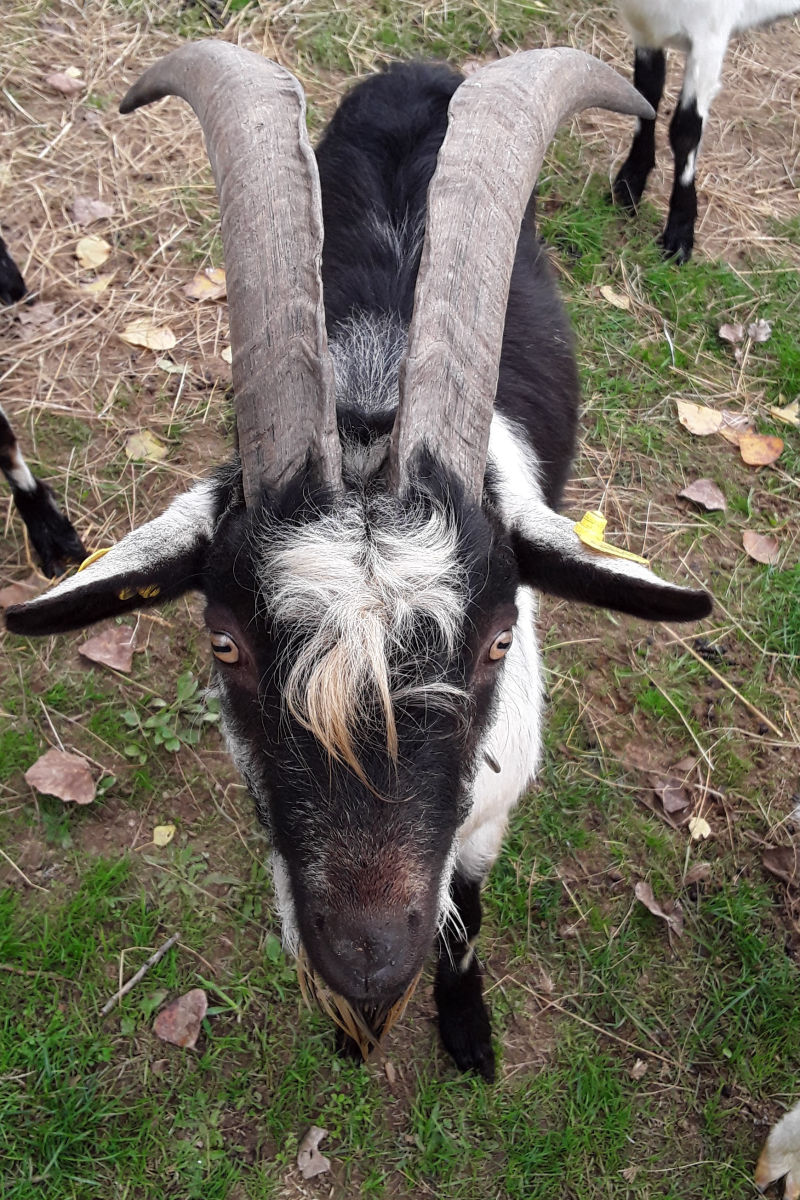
(172, 725)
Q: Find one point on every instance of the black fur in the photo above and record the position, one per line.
(463, 1020)
(649, 71)
(685, 132)
(54, 539)
(12, 285)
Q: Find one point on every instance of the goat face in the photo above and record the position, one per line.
(356, 658)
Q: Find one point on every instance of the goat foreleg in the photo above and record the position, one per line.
(463, 1020)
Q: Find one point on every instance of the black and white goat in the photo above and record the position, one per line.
(53, 537)
(370, 571)
(702, 28)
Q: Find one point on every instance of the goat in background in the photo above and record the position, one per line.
(406, 419)
(52, 535)
(702, 28)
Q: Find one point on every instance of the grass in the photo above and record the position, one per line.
(632, 1066)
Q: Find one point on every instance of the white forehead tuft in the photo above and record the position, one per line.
(354, 585)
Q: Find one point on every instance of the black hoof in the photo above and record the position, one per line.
(677, 243)
(626, 193)
(464, 1024)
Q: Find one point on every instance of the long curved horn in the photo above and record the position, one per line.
(501, 121)
(252, 113)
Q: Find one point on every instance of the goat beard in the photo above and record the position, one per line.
(367, 1026)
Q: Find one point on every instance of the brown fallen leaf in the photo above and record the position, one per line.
(670, 911)
(731, 333)
(761, 547)
(179, 1023)
(64, 82)
(780, 1158)
(672, 795)
(208, 284)
(309, 1159)
(699, 872)
(638, 1069)
(760, 330)
(760, 449)
(37, 319)
(92, 251)
(144, 445)
(705, 493)
(615, 298)
(789, 414)
(20, 591)
(113, 647)
(86, 210)
(64, 775)
(145, 332)
(698, 418)
(734, 426)
(783, 862)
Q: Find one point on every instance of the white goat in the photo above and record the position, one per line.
(702, 28)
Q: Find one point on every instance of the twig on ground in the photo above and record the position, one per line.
(756, 711)
(134, 979)
(20, 872)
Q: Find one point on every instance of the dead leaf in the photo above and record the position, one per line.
(113, 647)
(37, 319)
(65, 82)
(781, 1156)
(638, 1069)
(170, 367)
(761, 547)
(145, 332)
(783, 862)
(705, 493)
(99, 285)
(163, 835)
(670, 911)
(227, 355)
(20, 591)
(614, 298)
(390, 1072)
(732, 333)
(789, 414)
(734, 426)
(760, 330)
(179, 1023)
(92, 251)
(760, 449)
(86, 210)
(672, 795)
(145, 445)
(700, 872)
(208, 284)
(309, 1159)
(699, 828)
(698, 418)
(66, 776)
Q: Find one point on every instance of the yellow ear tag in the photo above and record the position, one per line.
(590, 530)
(148, 592)
(87, 562)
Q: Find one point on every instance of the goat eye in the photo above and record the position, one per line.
(224, 647)
(501, 644)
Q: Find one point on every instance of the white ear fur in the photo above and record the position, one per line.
(142, 555)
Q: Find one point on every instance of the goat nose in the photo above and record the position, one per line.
(367, 956)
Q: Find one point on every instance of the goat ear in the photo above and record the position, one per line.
(553, 559)
(152, 564)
